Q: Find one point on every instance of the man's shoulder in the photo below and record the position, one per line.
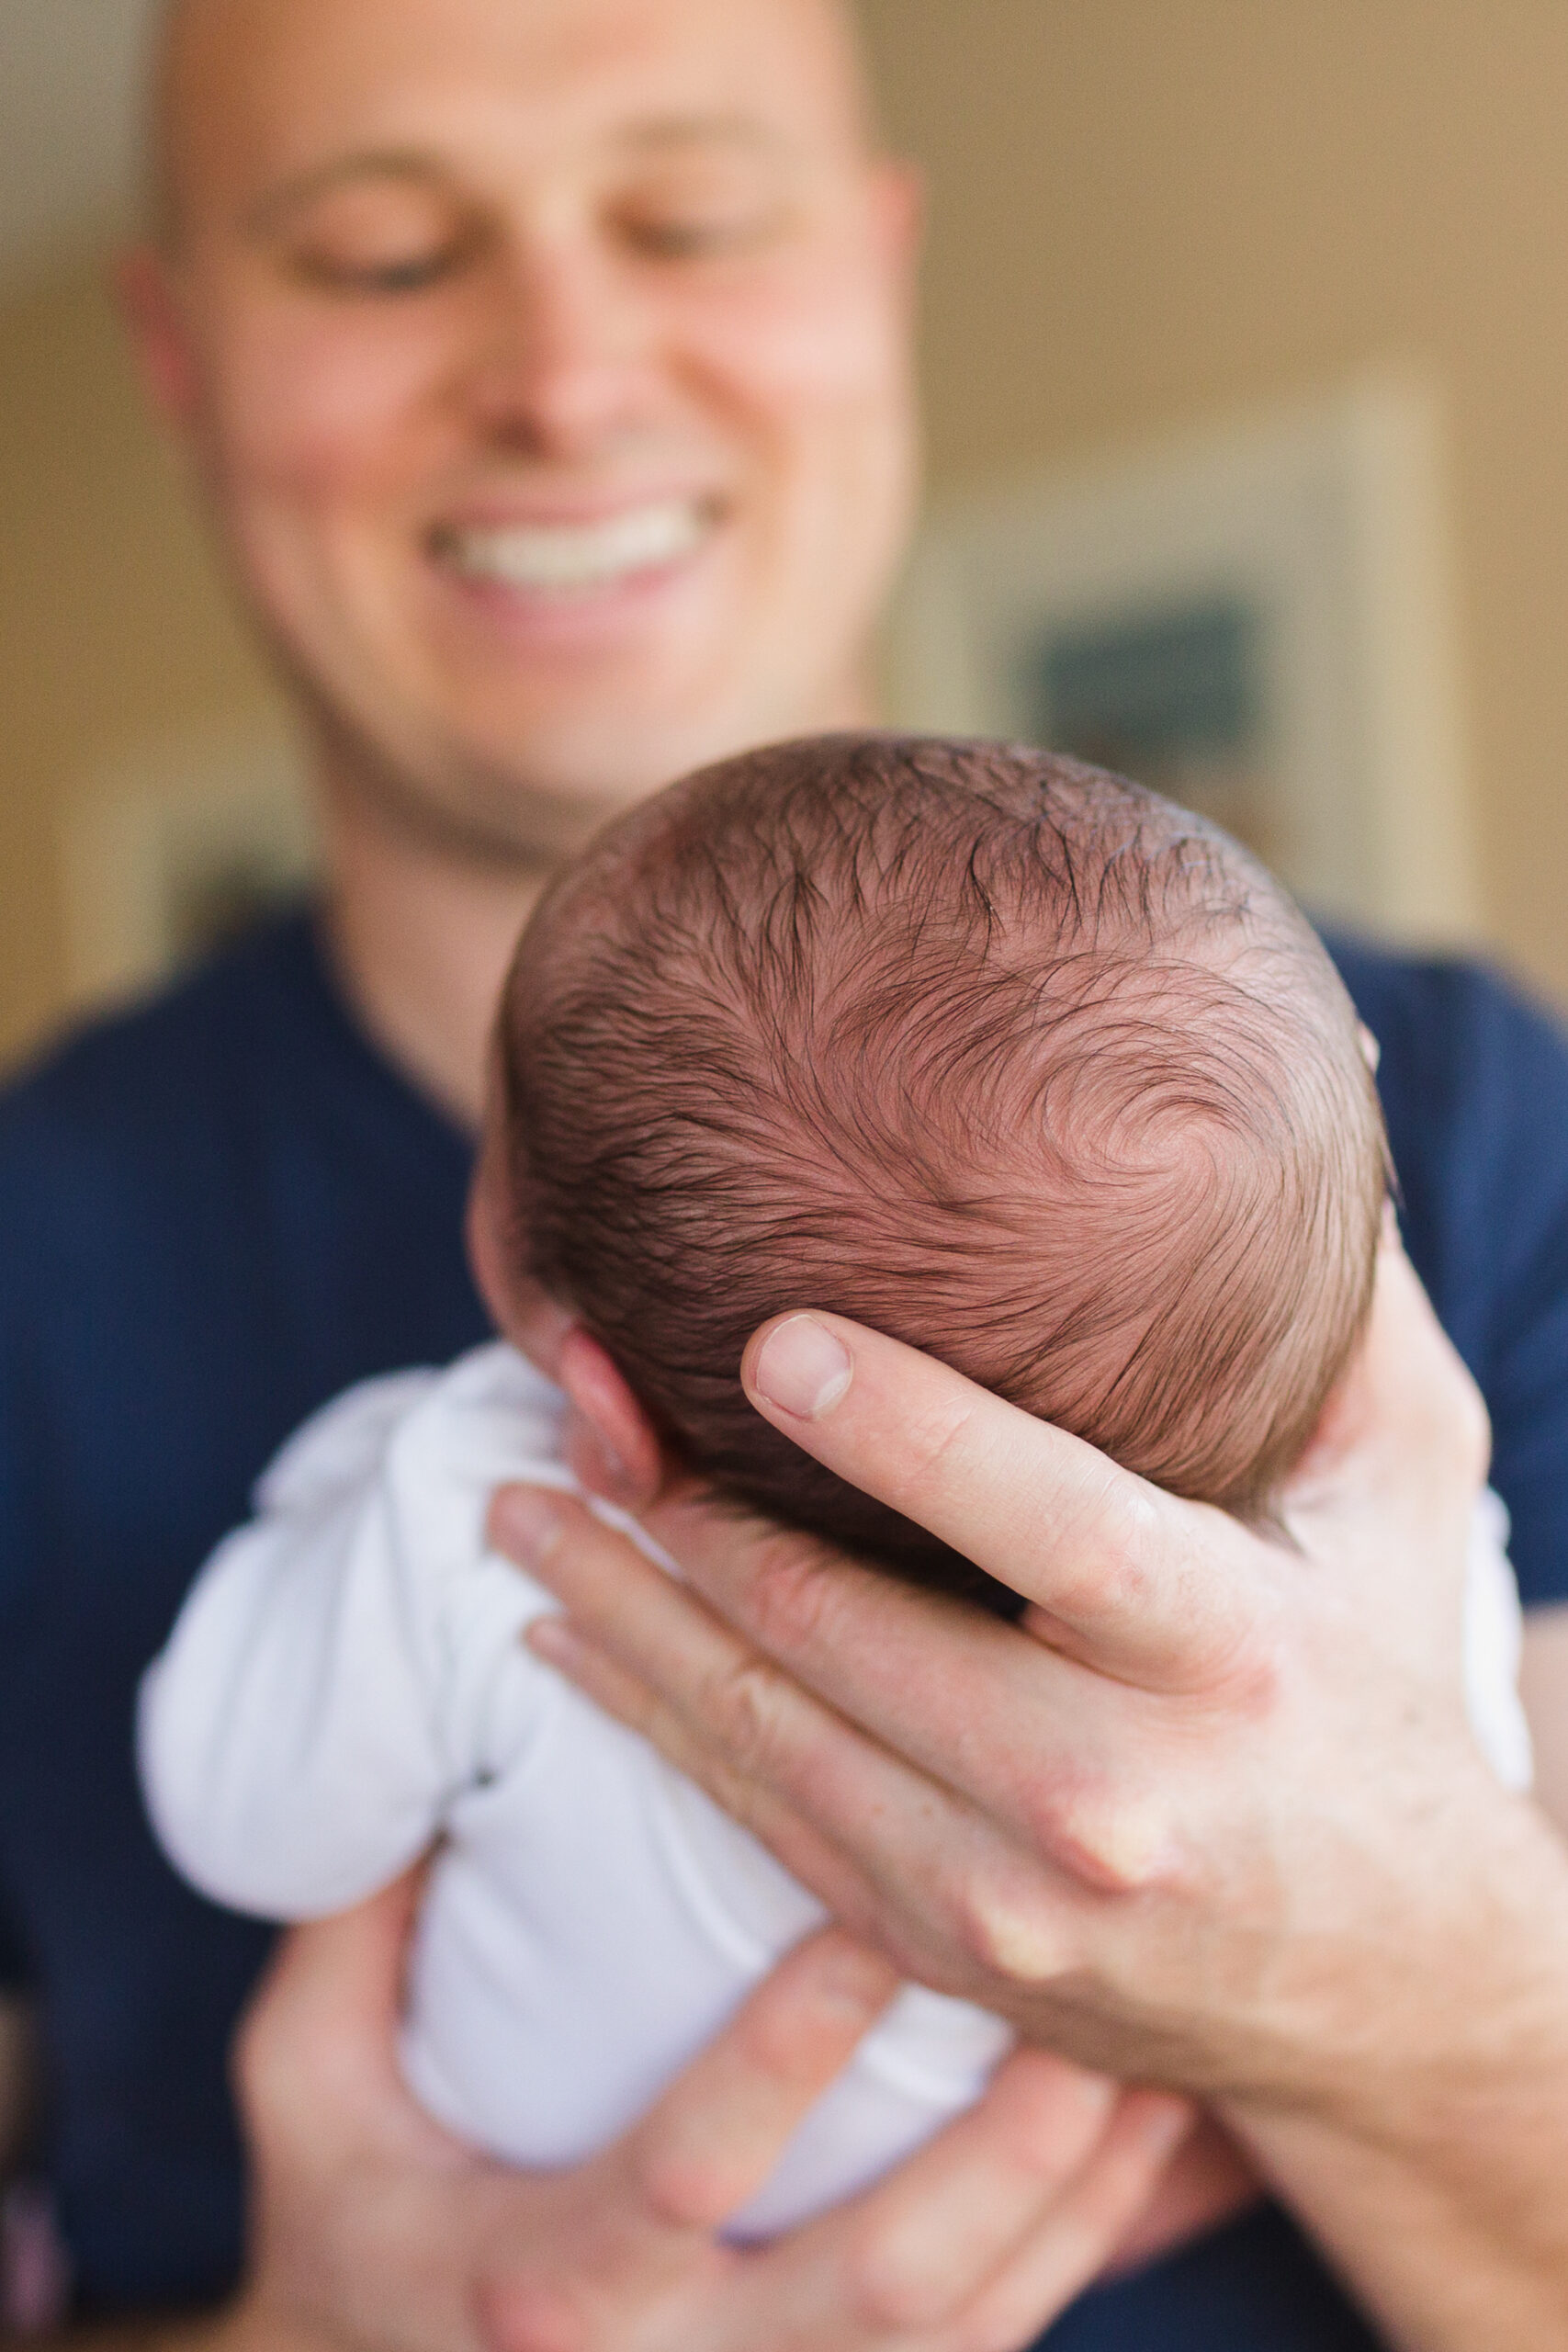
(1474, 1085)
(1471, 1062)
(157, 1069)
(1411, 989)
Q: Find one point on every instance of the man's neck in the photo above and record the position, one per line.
(420, 941)
(422, 933)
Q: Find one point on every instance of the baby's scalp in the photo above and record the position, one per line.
(992, 1051)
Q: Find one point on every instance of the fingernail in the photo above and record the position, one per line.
(527, 1524)
(803, 1368)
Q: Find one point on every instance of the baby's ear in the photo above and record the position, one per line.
(611, 1445)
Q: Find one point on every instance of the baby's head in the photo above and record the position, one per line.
(997, 1053)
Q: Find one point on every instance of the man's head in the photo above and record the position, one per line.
(546, 365)
(998, 1054)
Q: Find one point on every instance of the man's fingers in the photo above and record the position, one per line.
(927, 1677)
(895, 1854)
(840, 1883)
(936, 2232)
(716, 2134)
(1407, 1409)
(642, 2265)
(1081, 2227)
(321, 2031)
(865, 1829)
(649, 1652)
(984, 2236)
(1136, 1581)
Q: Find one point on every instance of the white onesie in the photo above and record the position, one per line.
(346, 1684)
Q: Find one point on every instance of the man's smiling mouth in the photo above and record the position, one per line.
(576, 558)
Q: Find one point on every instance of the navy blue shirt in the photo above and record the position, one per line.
(220, 1210)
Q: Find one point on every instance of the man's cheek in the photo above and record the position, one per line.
(327, 411)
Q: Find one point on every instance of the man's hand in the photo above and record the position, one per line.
(374, 2228)
(1095, 1829)
(1220, 1823)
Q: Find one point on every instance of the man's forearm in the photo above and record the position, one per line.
(1442, 2266)
(1435, 2189)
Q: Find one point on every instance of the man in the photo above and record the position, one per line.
(545, 370)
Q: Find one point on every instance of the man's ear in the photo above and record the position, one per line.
(155, 318)
(611, 1445)
(898, 209)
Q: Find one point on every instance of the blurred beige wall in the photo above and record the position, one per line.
(114, 632)
(1143, 214)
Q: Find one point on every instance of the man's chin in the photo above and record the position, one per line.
(569, 790)
(471, 804)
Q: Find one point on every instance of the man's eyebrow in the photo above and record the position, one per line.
(705, 130)
(667, 134)
(399, 164)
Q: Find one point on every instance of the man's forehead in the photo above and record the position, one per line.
(657, 71)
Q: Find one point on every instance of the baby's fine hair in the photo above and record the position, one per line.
(1000, 1053)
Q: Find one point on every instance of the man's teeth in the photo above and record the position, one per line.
(561, 557)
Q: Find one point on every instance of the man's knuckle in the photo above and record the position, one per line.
(1242, 1668)
(1113, 1549)
(789, 1596)
(741, 1700)
(1109, 1840)
(1133, 1538)
(1010, 1930)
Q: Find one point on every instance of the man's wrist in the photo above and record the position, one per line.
(1426, 2155)
(1443, 1977)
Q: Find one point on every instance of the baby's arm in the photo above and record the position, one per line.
(292, 1736)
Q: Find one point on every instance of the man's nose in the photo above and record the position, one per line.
(571, 352)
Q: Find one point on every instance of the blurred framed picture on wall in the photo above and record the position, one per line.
(1257, 619)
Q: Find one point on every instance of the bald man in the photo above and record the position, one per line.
(545, 372)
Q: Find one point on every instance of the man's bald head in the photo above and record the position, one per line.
(183, 32)
(202, 50)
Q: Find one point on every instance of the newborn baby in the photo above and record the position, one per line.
(998, 1054)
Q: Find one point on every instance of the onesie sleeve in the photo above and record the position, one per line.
(298, 1739)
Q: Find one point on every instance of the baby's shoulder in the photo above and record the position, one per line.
(485, 1418)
